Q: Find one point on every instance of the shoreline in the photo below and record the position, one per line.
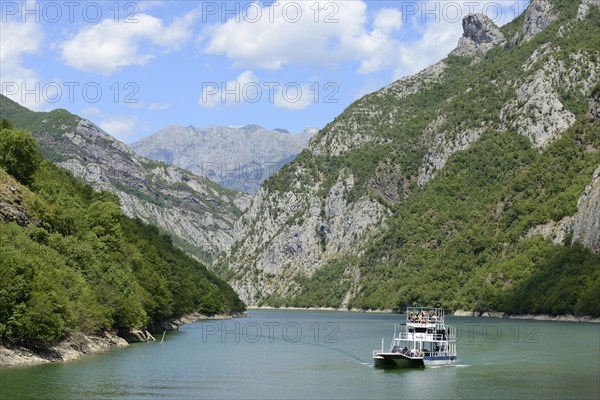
(457, 313)
(532, 317)
(361, 310)
(78, 345)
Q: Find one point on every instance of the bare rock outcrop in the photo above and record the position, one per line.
(537, 110)
(584, 7)
(71, 348)
(480, 34)
(584, 226)
(12, 206)
(539, 15)
(292, 233)
(586, 223)
(594, 104)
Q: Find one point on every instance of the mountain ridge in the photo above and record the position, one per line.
(323, 217)
(238, 158)
(197, 213)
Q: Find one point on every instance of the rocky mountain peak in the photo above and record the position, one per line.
(481, 29)
(480, 34)
(252, 128)
(238, 158)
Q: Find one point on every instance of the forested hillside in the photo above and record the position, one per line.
(73, 262)
(471, 185)
(198, 214)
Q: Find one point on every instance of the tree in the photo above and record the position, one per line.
(6, 124)
(19, 154)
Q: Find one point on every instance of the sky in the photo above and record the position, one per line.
(134, 67)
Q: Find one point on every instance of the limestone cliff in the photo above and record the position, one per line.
(539, 15)
(480, 35)
(324, 212)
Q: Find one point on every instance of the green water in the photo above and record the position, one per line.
(310, 354)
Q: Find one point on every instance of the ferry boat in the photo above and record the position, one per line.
(424, 340)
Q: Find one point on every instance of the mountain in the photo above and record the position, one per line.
(238, 158)
(470, 185)
(197, 213)
(73, 263)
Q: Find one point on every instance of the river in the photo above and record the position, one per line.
(325, 354)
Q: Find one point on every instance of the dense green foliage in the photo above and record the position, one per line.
(149, 183)
(461, 241)
(458, 242)
(84, 266)
(19, 154)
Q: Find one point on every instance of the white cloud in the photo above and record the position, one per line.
(293, 96)
(436, 41)
(16, 40)
(276, 40)
(244, 89)
(111, 45)
(374, 41)
(247, 88)
(388, 20)
(121, 128)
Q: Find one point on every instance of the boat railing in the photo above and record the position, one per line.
(438, 354)
(425, 336)
(425, 315)
(425, 320)
(418, 353)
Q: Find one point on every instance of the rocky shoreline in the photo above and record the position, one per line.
(457, 313)
(77, 345)
(363, 310)
(536, 317)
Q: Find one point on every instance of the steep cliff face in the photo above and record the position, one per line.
(480, 35)
(539, 15)
(323, 214)
(584, 226)
(235, 158)
(197, 213)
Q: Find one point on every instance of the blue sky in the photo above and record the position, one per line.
(135, 67)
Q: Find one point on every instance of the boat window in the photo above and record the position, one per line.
(421, 330)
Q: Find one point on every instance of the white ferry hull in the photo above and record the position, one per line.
(442, 360)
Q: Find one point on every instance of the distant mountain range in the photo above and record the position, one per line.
(238, 158)
(197, 213)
